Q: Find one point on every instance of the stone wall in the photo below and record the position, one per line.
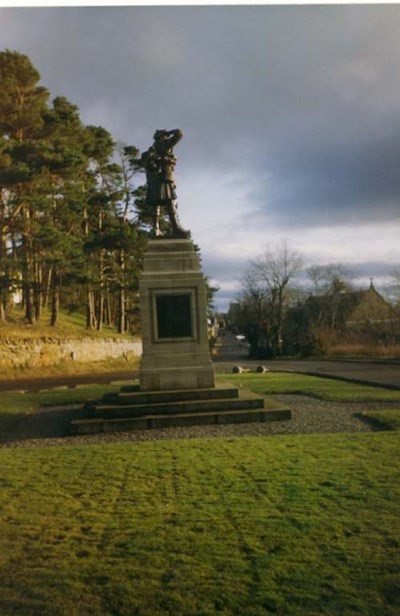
(47, 352)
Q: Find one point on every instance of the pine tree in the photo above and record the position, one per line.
(66, 233)
(22, 103)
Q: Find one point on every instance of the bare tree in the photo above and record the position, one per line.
(251, 318)
(330, 283)
(395, 283)
(266, 286)
(325, 278)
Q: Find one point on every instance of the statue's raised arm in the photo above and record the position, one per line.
(159, 163)
(166, 139)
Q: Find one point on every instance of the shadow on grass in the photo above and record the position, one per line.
(373, 423)
(50, 422)
(54, 423)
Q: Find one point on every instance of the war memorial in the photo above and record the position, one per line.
(177, 384)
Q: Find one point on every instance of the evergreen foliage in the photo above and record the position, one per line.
(67, 234)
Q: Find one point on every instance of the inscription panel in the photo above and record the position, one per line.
(174, 315)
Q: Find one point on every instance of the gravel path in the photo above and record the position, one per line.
(49, 427)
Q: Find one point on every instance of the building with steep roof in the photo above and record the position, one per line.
(369, 309)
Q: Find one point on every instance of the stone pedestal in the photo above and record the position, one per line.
(176, 377)
(173, 304)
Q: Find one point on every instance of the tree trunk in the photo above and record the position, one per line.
(121, 314)
(279, 321)
(55, 305)
(90, 311)
(3, 274)
(100, 300)
(46, 288)
(28, 272)
(27, 302)
(121, 311)
(37, 291)
(3, 318)
(107, 310)
(99, 311)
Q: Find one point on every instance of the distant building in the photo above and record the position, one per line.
(369, 309)
(345, 317)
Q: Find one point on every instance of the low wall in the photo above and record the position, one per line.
(47, 352)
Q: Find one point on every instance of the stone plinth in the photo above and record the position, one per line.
(133, 409)
(173, 304)
(176, 377)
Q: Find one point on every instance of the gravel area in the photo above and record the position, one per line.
(49, 427)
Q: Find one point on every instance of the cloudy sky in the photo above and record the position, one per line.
(291, 118)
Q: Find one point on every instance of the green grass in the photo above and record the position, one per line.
(69, 325)
(284, 525)
(13, 405)
(71, 368)
(280, 525)
(387, 419)
(318, 387)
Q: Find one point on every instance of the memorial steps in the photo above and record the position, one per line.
(176, 376)
(132, 409)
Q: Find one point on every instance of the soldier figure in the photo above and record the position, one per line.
(159, 163)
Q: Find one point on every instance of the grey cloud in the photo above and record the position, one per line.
(305, 99)
(329, 184)
(380, 269)
(223, 268)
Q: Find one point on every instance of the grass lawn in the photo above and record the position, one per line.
(318, 387)
(387, 419)
(70, 368)
(69, 325)
(13, 405)
(288, 525)
(281, 525)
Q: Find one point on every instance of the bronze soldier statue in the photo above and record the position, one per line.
(159, 164)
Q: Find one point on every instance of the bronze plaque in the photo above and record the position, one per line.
(174, 315)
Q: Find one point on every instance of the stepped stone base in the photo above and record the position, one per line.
(176, 376)
(133, 409)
